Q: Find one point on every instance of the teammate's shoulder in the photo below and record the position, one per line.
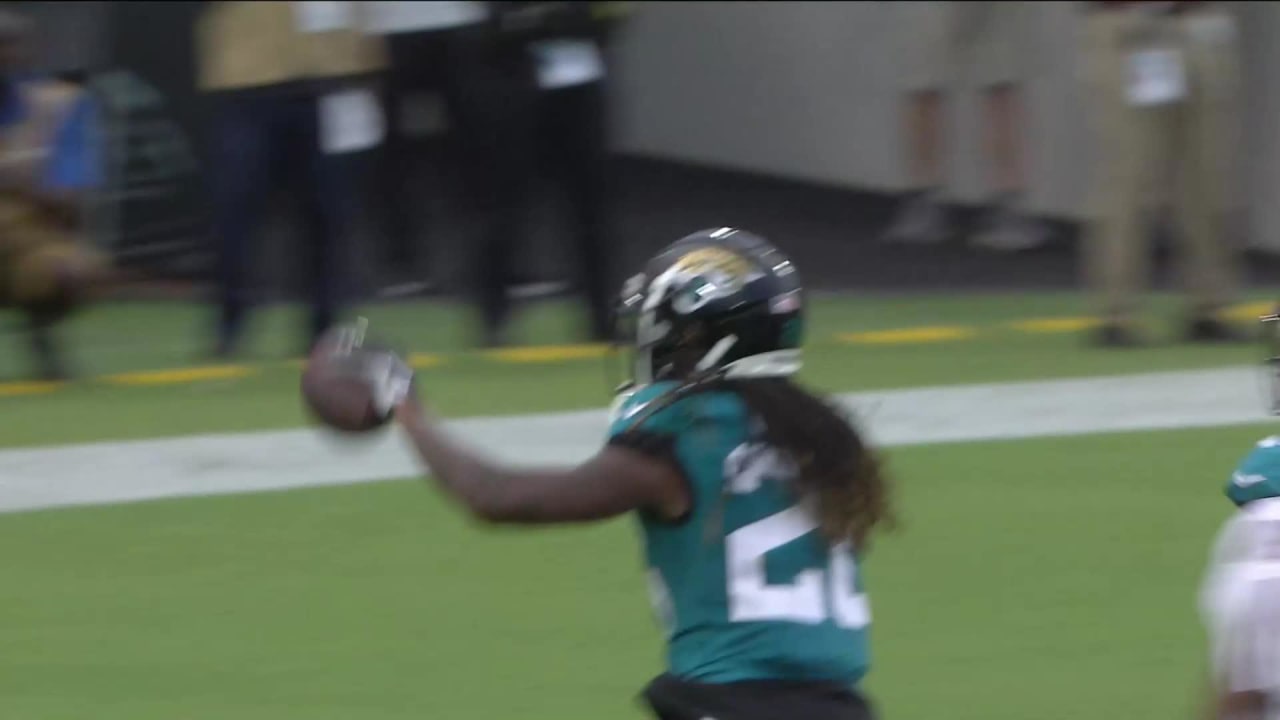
(658, 407)
(1263, 457)
(1257, 475)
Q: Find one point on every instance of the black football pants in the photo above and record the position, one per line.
(671, 698)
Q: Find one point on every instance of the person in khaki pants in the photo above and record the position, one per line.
(291, 102)
(983, 45)
(1163, 84)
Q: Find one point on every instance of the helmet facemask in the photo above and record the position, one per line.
(647, 347)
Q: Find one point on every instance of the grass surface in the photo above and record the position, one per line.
(1038, 579)
(133, 337)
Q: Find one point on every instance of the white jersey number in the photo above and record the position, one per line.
(816, 594)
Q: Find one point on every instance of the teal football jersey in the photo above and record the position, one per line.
(1258, 474)
(746, 586)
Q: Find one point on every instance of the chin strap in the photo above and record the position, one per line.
(778, 363)
(717, 351)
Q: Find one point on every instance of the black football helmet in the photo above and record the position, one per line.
(720, 301)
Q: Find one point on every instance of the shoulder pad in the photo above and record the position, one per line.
(628, 405)
(1258, 474)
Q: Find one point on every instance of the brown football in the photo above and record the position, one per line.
(334, 398)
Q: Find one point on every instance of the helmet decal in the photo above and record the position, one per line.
(729, 269)
(701, 276)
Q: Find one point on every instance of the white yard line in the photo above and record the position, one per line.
(102, 473)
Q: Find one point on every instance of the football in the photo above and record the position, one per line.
(332, 396)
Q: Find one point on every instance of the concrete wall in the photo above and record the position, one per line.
(809, 90)
(70, 33)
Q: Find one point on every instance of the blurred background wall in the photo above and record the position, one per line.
(71, 34)
(797, 90)
(808, 90)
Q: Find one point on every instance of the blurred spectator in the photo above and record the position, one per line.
(486, 83)
(563, 45)
(986, 40)
(1164, 79)
(427, 43)
(290, 84)
(49, 160)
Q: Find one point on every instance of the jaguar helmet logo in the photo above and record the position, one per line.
(703, 275)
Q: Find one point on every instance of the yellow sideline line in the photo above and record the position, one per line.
(1055, 324)
(14, 389)
(1250, 311)
(181, 375)
(548, 353)
(565, 353)
(948, 333)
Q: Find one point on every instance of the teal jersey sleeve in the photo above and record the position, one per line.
(1258, 474)
(634, 411)
(689, 422)
(695, 432)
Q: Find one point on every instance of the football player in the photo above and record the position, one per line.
(756, 498)
(1241, 593)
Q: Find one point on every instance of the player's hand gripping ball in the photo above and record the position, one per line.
(351, 386)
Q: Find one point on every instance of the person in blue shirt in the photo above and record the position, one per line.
(756, 499)
(49, 161)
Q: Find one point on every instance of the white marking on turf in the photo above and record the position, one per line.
(102, 473)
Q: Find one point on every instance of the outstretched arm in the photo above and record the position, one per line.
(616, 480)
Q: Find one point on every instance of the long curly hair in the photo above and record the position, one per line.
(834, 464)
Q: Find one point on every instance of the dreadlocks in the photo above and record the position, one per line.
(834, 465)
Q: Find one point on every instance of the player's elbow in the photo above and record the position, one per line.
(527, 511)
(504, 509)
(494, 514)
(497, 496)
(517, 508)
(487, 496)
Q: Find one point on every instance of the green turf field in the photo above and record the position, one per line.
(1047, 578)
(1050, 578)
